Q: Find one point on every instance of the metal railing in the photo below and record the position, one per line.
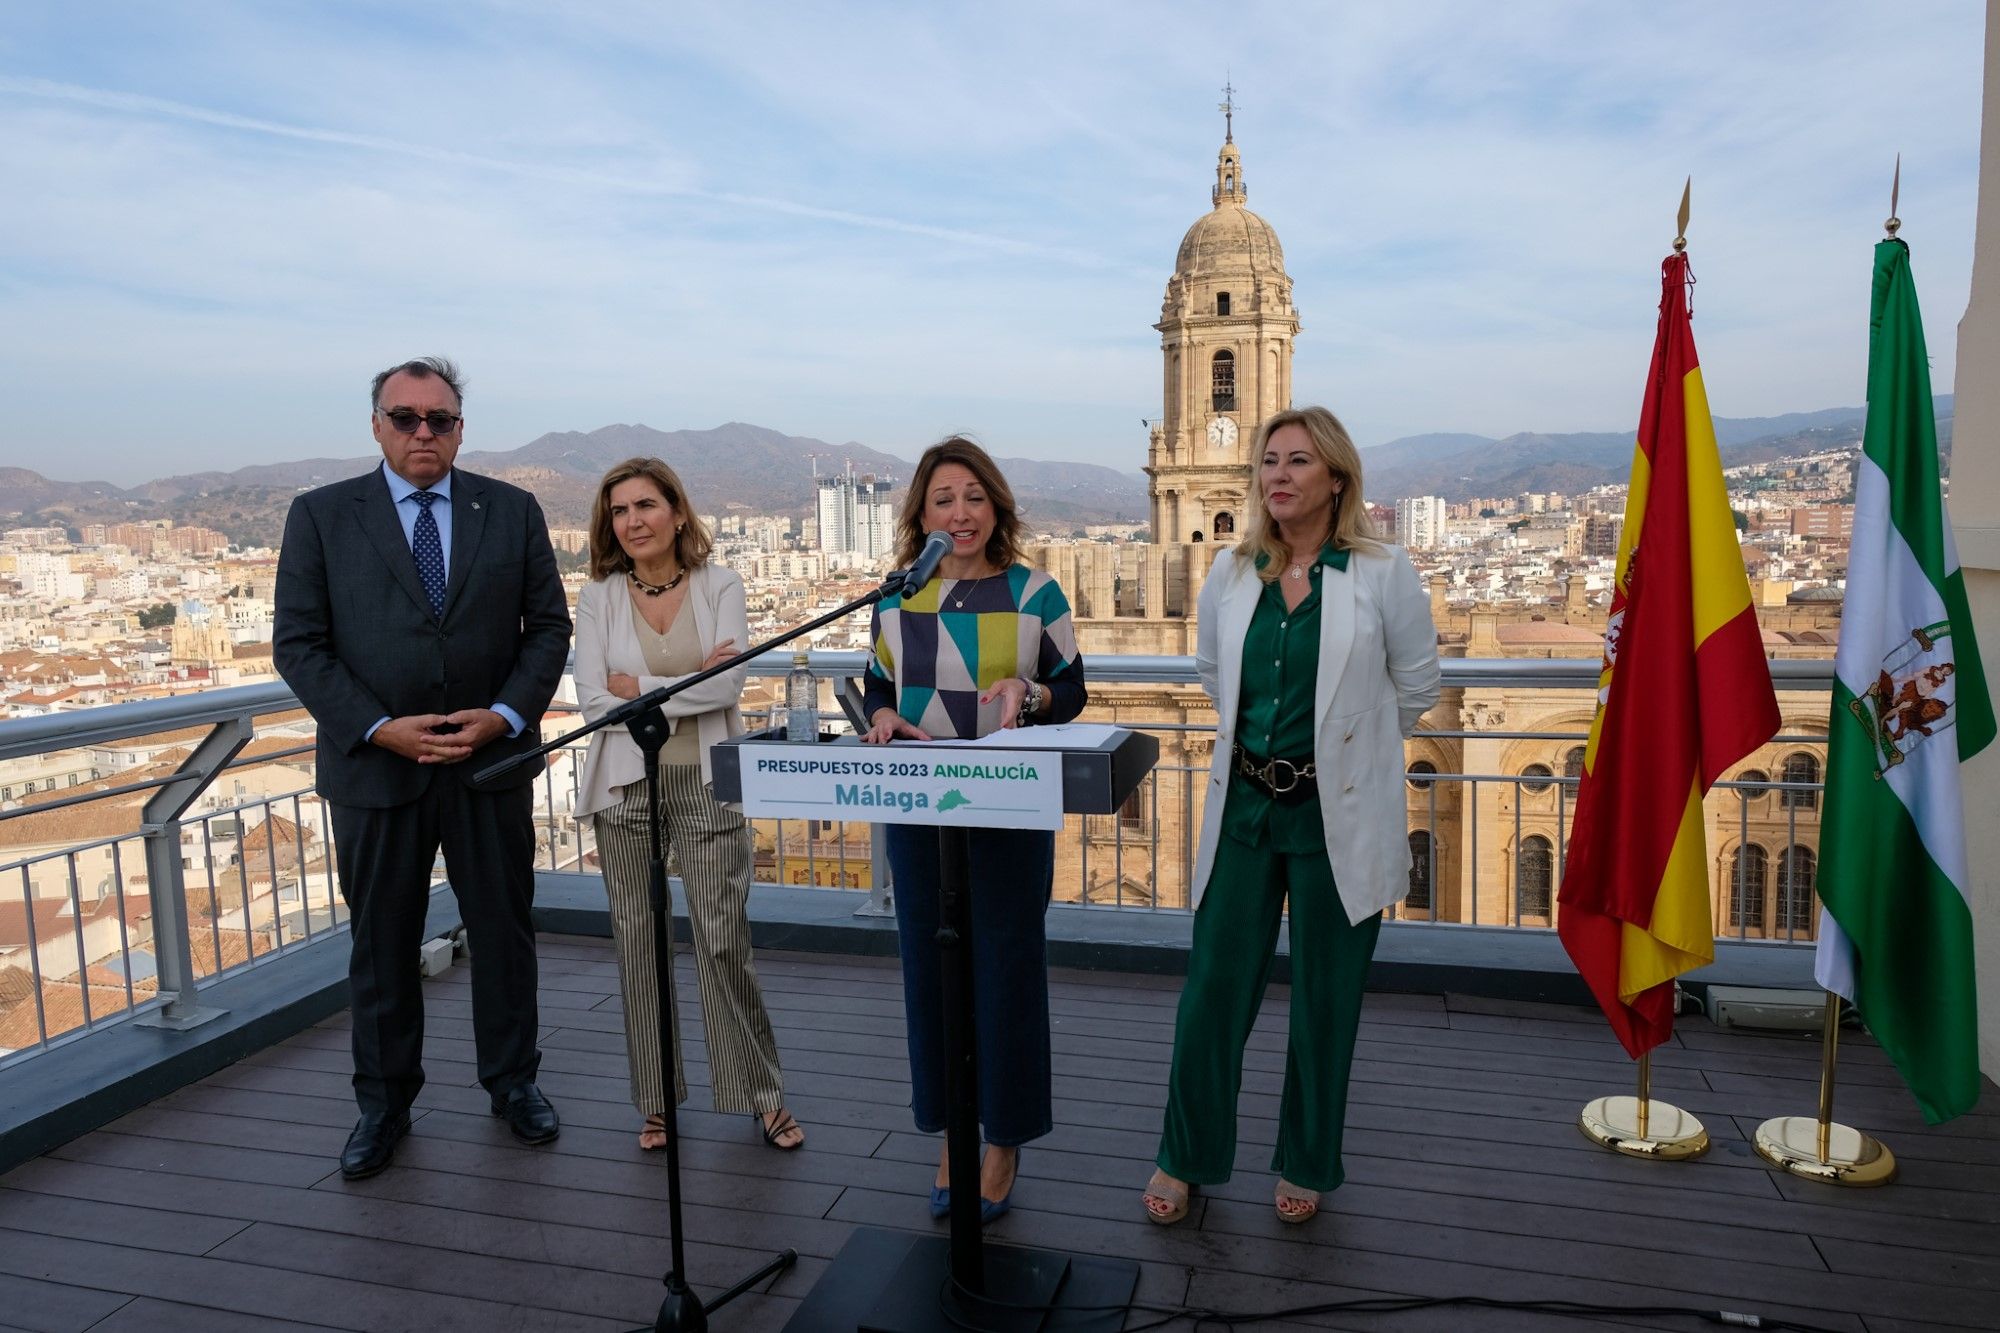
(171, 885)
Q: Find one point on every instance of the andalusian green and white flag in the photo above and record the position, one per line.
(1909, 705)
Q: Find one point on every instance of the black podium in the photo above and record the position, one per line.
(886, 1281)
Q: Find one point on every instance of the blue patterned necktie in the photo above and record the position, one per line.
(429, 551)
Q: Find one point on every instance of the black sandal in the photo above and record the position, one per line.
(773, 1130)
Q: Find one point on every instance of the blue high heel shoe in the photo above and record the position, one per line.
(991, 1210)
(941, 1201)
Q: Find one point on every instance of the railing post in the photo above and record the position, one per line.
(160, 826)
(880, 901)
(881, 893)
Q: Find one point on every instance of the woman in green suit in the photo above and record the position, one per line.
(1315, 641)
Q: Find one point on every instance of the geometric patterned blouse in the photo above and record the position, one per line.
(938, 649)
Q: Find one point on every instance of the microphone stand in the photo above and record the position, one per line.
(682, 1311)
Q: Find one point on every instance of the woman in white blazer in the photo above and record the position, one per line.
(1316, 644)
(657, 609)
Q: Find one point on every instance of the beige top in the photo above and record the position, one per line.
(675, 653)
(606, 643)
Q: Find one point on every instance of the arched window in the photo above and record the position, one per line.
(1534, 875)
(1225, 524)
(1573, 762)
(1747, 867)
(1795, 890)
(1535, 777)
(1421, 771)
(1197, 534)
(1222, 380)
(1222, 303)
(1754, 778)
(1800, 767)
(1419, 896)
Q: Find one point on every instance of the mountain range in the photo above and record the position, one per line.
(758, 470)
(735, 466)
(1469, 467)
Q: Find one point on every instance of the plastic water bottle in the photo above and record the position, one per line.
(801, 703)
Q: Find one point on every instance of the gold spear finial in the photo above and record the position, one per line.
(1681, 235)
(1895, 224)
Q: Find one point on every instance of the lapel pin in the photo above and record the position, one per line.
(475, 504)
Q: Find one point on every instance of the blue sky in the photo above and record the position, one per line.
(882, 222)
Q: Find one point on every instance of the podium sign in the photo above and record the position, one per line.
(971, 786)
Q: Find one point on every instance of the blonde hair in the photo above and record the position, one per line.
(1003, 548)
(691, 542)
(1349, 529)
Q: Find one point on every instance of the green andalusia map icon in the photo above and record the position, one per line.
(951, 800)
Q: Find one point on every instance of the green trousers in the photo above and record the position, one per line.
(1235, 938)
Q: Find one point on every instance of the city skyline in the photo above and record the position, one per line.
(884, 227)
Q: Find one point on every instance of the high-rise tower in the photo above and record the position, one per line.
(1226, 330)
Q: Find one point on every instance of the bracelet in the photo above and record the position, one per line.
(1031, 704)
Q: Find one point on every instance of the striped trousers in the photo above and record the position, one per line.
(712, 845)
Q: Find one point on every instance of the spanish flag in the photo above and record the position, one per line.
(1684, 692)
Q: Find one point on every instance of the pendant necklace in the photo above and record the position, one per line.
(962, 589)
(655, 589)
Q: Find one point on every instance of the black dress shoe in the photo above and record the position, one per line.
(528, 1114)
(373, 1143)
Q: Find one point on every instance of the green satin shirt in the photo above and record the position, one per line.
(1274, 714)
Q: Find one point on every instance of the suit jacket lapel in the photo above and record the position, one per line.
(385, 532)
(468, 525)
(1237, 610)
(1336, 634)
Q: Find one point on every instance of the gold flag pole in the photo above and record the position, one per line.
(1817, 1148)
(1820, 1149)
(1639, 1126)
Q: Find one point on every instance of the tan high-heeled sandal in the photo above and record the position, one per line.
(1170, 1192)
(1290, 1193)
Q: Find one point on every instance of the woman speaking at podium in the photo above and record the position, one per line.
(986, 645)
(657, 608)
(1316, 644)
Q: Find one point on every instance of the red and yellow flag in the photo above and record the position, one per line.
(1684, 692)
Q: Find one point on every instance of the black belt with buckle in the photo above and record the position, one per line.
(1286, 781)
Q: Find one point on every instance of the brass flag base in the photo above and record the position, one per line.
(1844, 1156)
(1641, 1127)
(1817, 1148)
(1664, 1132)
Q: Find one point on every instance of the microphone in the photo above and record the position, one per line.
(927, 561)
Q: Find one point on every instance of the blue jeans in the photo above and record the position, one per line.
(1013, 874)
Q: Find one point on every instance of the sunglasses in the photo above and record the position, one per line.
(405, 420)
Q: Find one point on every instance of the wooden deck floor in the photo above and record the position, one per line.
(220, 1207)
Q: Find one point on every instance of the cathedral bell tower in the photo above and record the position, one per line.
(1226, 330)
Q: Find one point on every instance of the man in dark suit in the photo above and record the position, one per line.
(421, 620)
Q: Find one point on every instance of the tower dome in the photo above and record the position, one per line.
(1229, 250)
(1229, 239)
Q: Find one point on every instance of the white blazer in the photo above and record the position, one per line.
(607, 642)
(1378, 674)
